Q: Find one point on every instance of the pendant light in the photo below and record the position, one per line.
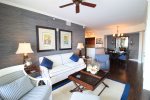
(118, 34)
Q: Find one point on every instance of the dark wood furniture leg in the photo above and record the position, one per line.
(106, 86)
(78, 88)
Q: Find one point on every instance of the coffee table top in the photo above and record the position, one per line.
(88, 80)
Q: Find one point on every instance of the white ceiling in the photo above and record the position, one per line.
(106, 13)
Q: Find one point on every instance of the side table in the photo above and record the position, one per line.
(34, 72)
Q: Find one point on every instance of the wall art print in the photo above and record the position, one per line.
(46, 38)
(65, 39)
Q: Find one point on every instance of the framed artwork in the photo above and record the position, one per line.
(99, 41)
(65, 39)
(46, 38)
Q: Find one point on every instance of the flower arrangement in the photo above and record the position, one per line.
(93, 68)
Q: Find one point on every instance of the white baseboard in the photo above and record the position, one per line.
(136, 60)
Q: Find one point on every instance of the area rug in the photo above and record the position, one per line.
(116, 91)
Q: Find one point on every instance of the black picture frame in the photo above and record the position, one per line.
(60, 39)
(38, 38)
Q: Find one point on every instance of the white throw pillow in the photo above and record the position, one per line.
(16, 89)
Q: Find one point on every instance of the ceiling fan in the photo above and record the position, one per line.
(77, 3)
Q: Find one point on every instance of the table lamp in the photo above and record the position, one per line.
(24, 48)
(80, 46)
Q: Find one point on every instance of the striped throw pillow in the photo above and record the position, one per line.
(16, 89)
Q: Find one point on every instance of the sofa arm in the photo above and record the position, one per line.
(81, 61)
(36, 81)
(45, 75)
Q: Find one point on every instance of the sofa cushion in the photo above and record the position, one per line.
(75, 58)
(58, 70)
(16, 89)
(66, 57)
(47, 63)
(38, 93)
(73, 64)
(56, 59)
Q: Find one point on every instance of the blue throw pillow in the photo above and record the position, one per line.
(47, 63)
(74, 58)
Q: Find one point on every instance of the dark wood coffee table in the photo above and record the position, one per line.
(85, 80)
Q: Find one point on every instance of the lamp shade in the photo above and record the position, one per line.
(80, 46)
(24, 48)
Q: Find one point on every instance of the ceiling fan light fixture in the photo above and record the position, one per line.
(77, 3)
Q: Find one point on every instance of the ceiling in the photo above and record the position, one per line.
(106, 13)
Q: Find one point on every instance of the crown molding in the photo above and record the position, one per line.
(38, 11)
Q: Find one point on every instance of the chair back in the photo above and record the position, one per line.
(10, 74)
(123, 57)
(103, 59)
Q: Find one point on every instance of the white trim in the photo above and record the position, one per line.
(140, 54)
(146, 63)
(38, 11)
(135, 60)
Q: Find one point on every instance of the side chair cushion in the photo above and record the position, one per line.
(122, 57)
(103, 59)
(16, 89)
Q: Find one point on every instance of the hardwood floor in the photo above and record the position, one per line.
(131, 73)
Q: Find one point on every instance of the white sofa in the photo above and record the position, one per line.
(62, 67)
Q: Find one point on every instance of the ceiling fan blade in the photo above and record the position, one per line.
(88, 4)
(77, 9)
(66, 5)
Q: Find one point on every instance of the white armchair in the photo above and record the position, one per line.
(84, 96)
(11, 74)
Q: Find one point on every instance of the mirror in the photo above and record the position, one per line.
(122, 42)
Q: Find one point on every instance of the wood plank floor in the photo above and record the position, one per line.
(131, 73)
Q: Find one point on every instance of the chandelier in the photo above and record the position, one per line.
(118, 34)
